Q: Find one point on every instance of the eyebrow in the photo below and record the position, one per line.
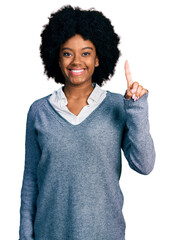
(71, 49)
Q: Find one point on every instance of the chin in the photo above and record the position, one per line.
(77, 81)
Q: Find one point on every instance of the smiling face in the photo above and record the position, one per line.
(77, 60)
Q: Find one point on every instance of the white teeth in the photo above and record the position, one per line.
(77, 70)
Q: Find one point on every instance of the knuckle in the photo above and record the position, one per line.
(128, 94)
(135, 84)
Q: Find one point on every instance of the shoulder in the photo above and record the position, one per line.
(116, 103)
(115, 98)
(115, 106)
(37, 105)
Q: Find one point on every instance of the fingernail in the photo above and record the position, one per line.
(133, 90)
(133, 96)
(135, 99)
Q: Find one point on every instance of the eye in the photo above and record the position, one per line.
(66, 54)
(86, 54)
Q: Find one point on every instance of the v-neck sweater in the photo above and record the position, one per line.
(71, 178)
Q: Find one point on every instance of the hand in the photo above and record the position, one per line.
(134, 90)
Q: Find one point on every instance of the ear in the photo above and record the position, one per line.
(96, 62)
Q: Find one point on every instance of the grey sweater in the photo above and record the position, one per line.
(70, 185)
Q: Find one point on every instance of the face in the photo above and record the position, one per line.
(77, 60)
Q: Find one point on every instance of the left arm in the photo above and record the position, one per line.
(137, 142)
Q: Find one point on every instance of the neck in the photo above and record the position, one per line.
(78, 92)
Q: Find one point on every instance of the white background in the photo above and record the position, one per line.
(147, 39)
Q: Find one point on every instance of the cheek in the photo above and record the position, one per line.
(90, 62)
(63, 63)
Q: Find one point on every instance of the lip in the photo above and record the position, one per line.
(76, 71)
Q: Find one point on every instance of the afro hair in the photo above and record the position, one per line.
(91, 25)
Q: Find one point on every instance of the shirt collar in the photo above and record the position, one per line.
(93, 97)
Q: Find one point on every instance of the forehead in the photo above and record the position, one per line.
(77, 42)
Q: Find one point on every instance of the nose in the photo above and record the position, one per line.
(76, 60)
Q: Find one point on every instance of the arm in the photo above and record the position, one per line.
(137, 144)
(29, 189)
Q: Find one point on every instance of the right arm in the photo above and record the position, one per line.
(29, 189)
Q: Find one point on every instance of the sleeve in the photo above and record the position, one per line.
(137, 145)
(29, 190)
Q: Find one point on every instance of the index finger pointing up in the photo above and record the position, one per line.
(128, 75)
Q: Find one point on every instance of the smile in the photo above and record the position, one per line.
(76, 71)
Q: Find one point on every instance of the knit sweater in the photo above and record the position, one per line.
(70, 185)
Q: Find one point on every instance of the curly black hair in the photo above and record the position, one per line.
(91, 25)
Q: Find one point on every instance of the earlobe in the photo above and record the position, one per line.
(97, 62)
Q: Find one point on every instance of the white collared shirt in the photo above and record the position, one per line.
(59, 101)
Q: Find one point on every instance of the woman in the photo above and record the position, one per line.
(74, 136)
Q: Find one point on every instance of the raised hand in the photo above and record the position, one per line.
(134, 90)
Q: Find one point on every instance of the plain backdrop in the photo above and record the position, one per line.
(147, 38)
